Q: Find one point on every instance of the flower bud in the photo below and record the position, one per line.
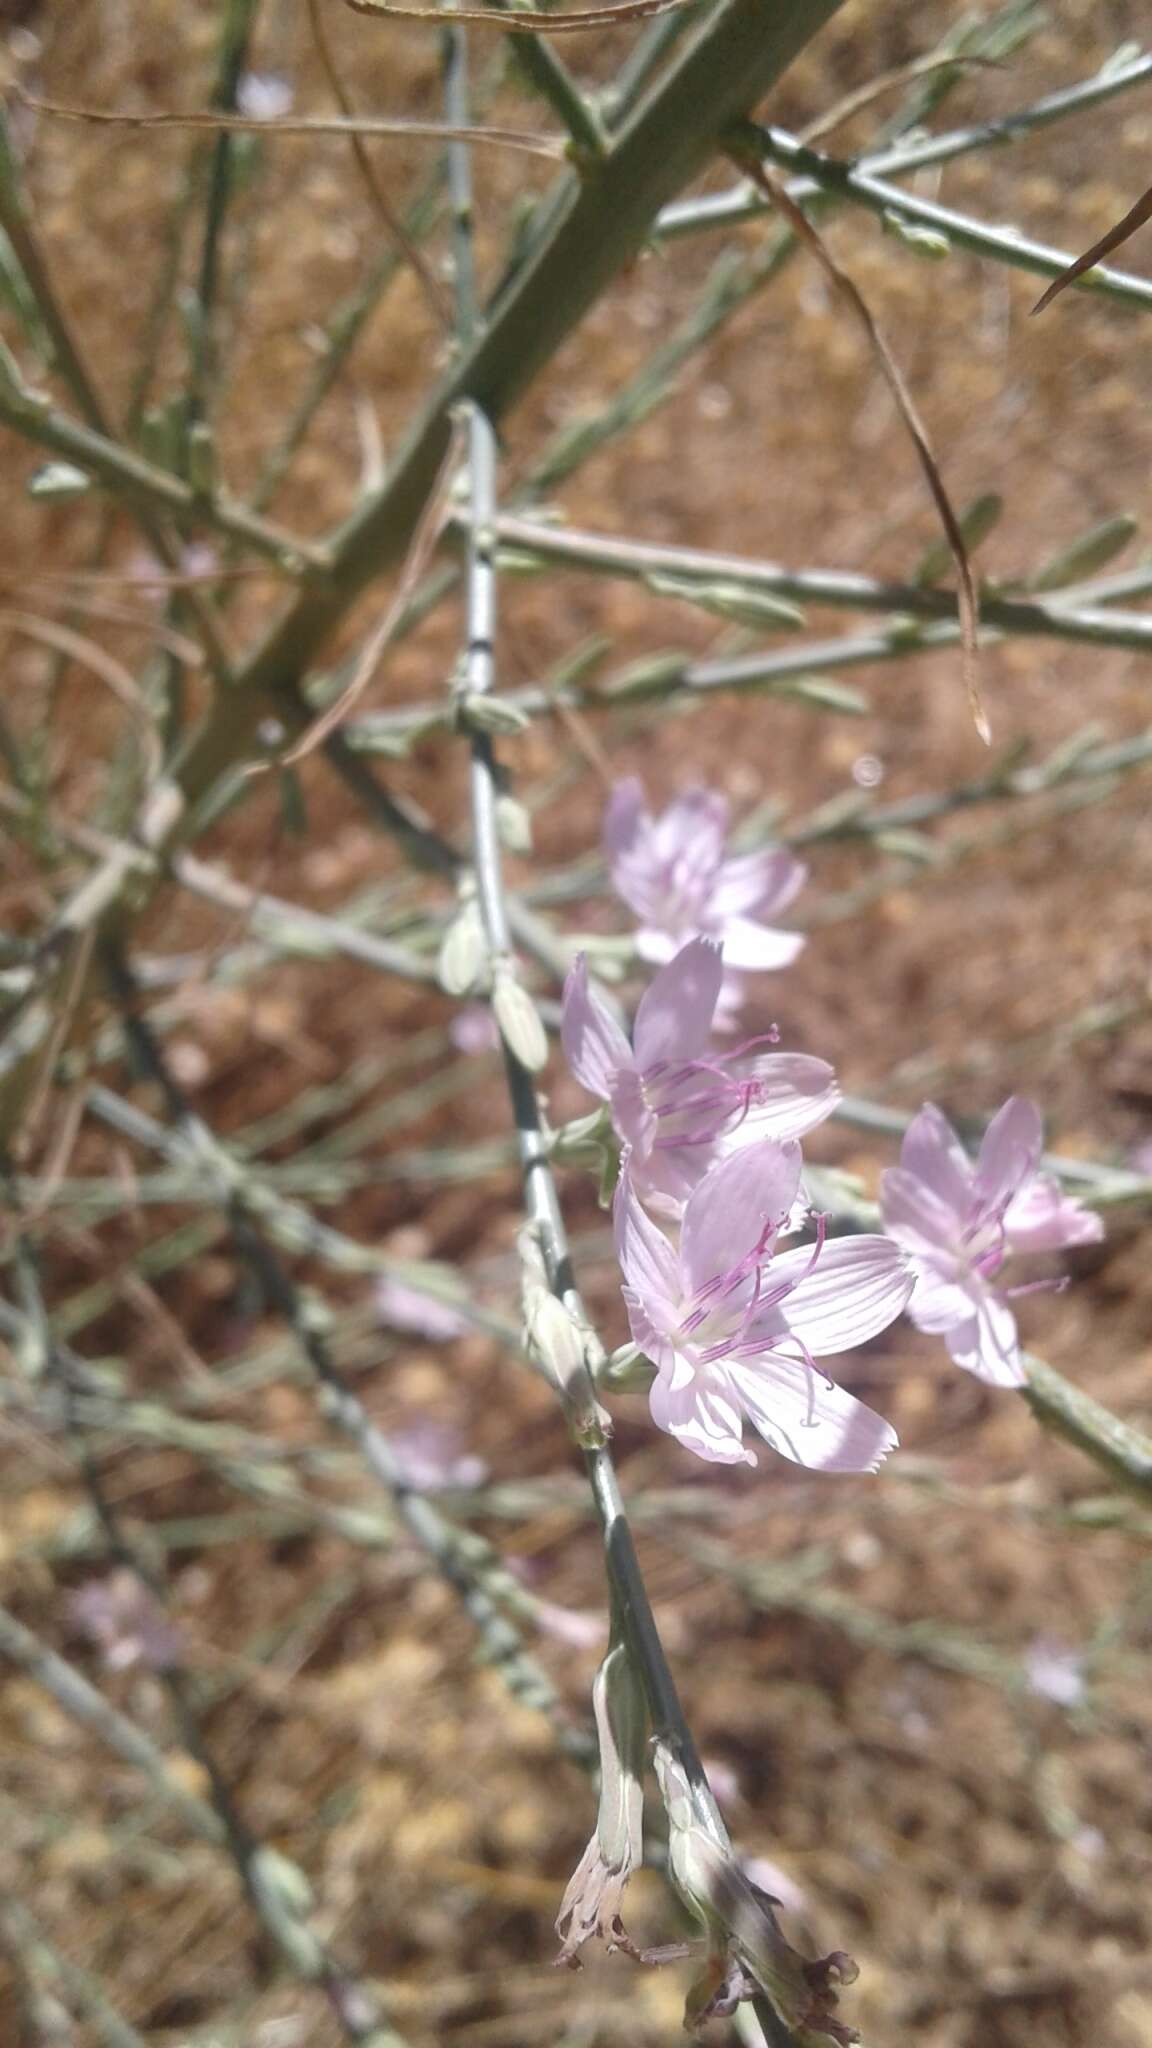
(560, 1345)
(463, 952)
(514, 824)
(519, 1020)
(492, 715)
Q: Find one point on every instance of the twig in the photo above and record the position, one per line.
(541, 1201)
(742, 151)
(1115, 238)
(30, 1941)
(726, 208)
(1084, 613)
(304, 124)
(1001, 245)
(146, 488)
(530, 22)
(1115, 1446)
(393, 223)
(467, 1562)
(237, 19)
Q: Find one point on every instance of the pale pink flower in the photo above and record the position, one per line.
(734, 1328)
(1055, 1672)
(431, 1457)
(959, 1220)
(410, 1308)
(128, 1626)
(473, 1029)
(264, 96)
(677, 1106)
(672, 873)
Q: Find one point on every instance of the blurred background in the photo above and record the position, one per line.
(924, 1696)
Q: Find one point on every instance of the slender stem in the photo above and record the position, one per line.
(598, 224)
(32, 1945)
(1121, 1451)
(640, 66)
(548, 74)
(466, 1561)
(1063, 616)
(276, 1909)
(17, 223)
(1003, 245)
(727, 208)
(630, 1599)
(237, 21)
(80, 1699)
(145, 487)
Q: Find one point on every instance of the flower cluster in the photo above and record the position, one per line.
(733, 1325)
(710, 1175)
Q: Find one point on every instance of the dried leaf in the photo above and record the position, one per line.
(1114, 239)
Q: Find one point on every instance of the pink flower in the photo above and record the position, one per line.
(676, 1106)
(419, 1314)
(119, 1615)
(734, 1330)
(671, 871)
(960, 1220)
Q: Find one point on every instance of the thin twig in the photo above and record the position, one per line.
(745, 155)
(305, 124)
(530, 22)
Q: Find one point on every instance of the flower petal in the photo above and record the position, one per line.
(987, 1345)
(939, 1303)
(674, 1017)
(755, 948)
(623, 815)
(796, 1092)
(647, 1262)
(1010, 1151)
(704, 1416)
(857, 1286)
(740, 1203)
(689, 836)
(810, 1419)
(917, 1217)
(1042, 1218)
(594, 1044)
(932, 1151)
(757, 883)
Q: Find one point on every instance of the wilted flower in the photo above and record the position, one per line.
(672, 873)
(748, 1952)
(591, 1904)
(958, 1221)
(677, 1106)
(734, 1331)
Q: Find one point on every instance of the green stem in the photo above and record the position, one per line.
(1002, 245)
(1121, 1451)
(146, 488)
